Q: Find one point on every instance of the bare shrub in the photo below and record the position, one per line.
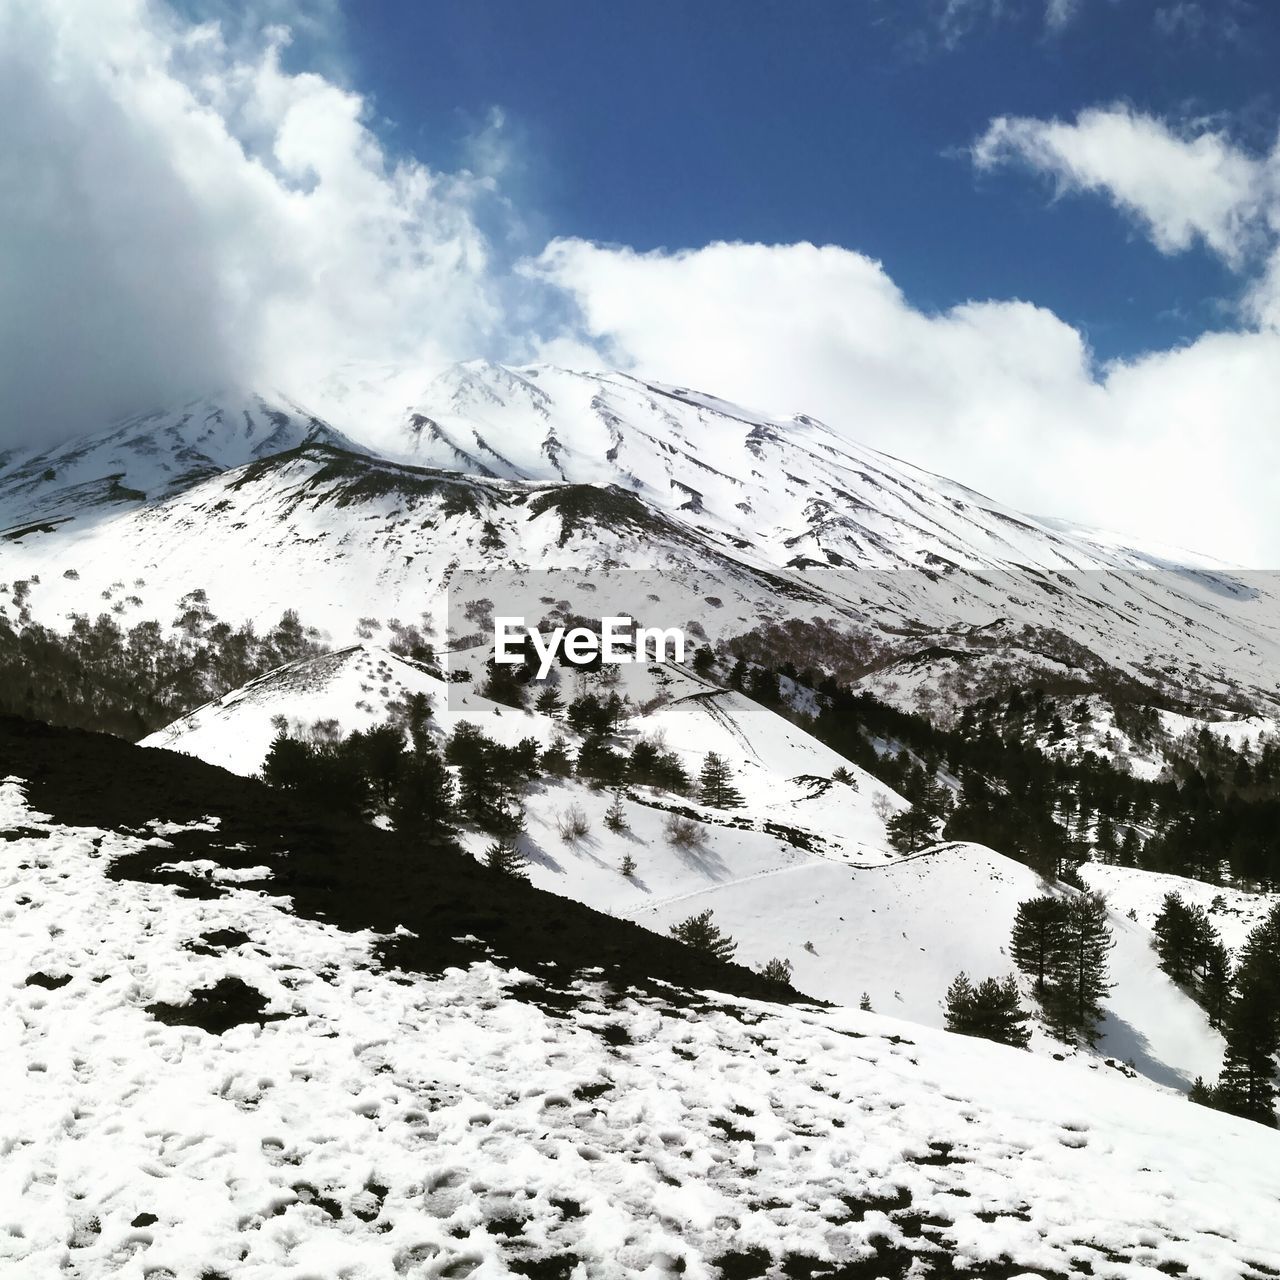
(572, 824)
(882, 806)
(683, 832)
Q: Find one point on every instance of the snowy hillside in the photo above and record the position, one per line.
(341, 1117)
(803, 870)
(500, 470)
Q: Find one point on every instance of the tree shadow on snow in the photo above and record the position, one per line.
(532, 850)
(1125, 1043)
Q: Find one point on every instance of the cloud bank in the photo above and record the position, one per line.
(178, 211)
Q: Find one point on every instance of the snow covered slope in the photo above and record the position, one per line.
(802, 871)
(341, 1117)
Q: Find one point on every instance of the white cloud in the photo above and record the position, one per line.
(1177, 445)
(177, 209)
(1059, 13)
(955, 20)
(1179, 186)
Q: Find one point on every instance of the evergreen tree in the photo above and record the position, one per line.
(777, 970)
(422, 804)
(991, 1010)
(417, 711)
(381, 753)
(703, 660)
(1039, 938)
(287, 764)
(1251, 1027)
(716, 785)
(503, 857)
(1181, 936)
(763, 687)
(615, 817)
(1130, 848)
(652, 767)
(912, 830)
(549, 701)
(702, 934)
(556, 761)
(600, 764)
(505, 686)
(1247, 1086)
(959, 1003)
(1073, 999)
(1204, 1094)
(1215, 982)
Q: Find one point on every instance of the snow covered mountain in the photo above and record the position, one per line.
(501, 471)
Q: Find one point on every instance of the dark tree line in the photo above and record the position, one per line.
(130, 682)
(1250, 1022)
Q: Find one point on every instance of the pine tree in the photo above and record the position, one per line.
(1039, 936)
(382, 755)
(549, 701)
(1247, 1086)
(1215, 982)
(716, 783)
(503, 857)
(1204, 1094)
(991, 1010)
(627, 866)
(416, 713)
(422, 803)
(1178, 939)
(615, 817)
(959, 1003)
(777, 970)
(865, 1003)
(912, 830)
(287, 762)
(482, 798)
(1130, 848)
(701, 934)
(507, 684)
(1079, 983)
(600, 764)
(556, 761)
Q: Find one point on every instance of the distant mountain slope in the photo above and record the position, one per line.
(205, 1080)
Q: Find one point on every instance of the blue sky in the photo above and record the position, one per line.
(672, 124)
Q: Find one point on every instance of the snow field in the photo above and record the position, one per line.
(393, 1124)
